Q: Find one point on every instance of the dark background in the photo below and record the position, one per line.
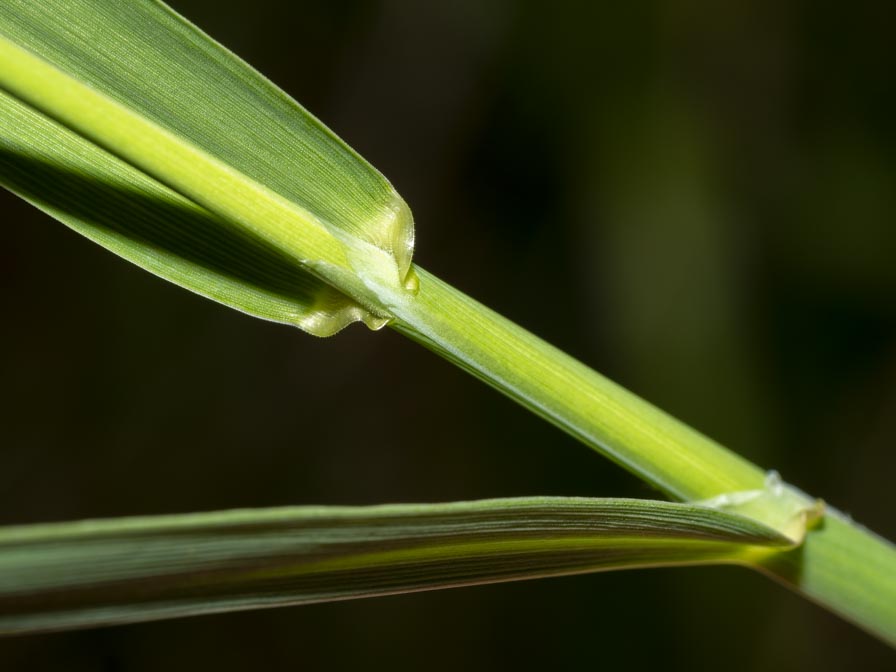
(696, 198)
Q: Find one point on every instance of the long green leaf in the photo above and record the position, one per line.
(122, 209)
(139, 79)
(70, 575)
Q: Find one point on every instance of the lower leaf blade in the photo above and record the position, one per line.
(83, 574)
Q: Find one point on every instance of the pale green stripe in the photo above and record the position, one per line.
(161, 153)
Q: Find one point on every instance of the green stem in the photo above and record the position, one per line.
(652, 444)
(840, 565)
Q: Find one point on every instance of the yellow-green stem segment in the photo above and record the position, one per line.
(660, 449)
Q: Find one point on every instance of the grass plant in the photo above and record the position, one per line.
(131, 126)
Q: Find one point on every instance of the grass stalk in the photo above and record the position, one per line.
(665, 452)
(840, 565)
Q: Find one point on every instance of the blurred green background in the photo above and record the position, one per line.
(695, 198)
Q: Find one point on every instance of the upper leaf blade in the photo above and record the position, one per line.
(82, 574)
(117, 206)
(141, 81)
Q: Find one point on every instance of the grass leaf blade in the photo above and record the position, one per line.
(139, 80)
(117, 206)
(81, 574)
